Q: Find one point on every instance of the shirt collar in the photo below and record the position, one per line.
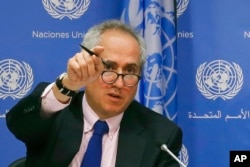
(90, 117)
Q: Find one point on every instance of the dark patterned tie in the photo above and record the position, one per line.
(93, 154)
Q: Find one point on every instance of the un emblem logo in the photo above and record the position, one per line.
(181, 7)
(72, 9)
(183, 155)
(16, 79)
(219, 78)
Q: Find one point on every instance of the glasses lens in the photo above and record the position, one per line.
(109, 76)
(130, 80)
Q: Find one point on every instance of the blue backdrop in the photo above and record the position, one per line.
(213, 80)
(196, 74)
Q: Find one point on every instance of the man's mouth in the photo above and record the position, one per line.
(115, 95)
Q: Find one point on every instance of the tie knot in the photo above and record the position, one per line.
(101, 127)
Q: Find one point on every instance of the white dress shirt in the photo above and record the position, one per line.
(110, 141)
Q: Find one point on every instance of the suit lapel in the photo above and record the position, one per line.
(131, 142)
(70, 134)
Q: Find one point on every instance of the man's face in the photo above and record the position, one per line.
(123, 52)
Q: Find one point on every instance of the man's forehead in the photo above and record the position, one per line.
(125, 64)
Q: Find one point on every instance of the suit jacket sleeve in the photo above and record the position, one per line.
(25, 122)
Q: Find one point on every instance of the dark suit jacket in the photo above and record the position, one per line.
(54, 141)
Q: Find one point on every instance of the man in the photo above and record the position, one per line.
(56, 120)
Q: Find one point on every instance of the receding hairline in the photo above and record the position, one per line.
(93, 35)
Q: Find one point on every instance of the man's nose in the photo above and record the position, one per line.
(119, 82)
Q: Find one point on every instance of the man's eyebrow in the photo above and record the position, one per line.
(132, 65)
(111, 63)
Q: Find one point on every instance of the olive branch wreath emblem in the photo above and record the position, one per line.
(181, 7)
(25, 88)
(230, 94)
(71, 16)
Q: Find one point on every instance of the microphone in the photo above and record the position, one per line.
(165, 148)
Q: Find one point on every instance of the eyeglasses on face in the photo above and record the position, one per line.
(110, 77)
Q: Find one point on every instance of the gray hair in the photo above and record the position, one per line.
(93, 36)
